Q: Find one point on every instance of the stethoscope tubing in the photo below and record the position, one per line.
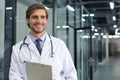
(27, 45)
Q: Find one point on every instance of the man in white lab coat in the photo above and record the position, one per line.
(54, 51)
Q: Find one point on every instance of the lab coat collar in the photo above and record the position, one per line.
(46, 47)
(32, 46)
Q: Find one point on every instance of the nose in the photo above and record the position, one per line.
(39, 19)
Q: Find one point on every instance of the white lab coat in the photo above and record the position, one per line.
(61, 62)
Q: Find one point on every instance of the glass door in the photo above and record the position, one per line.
(74, 28)
(84, 46)
(83, 53)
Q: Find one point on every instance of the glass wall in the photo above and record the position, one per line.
(66, 21)
(73, 25)
(2, 12)
(20, 21)
(9, 31)
(84, 37)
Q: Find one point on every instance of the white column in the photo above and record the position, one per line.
(107, 46)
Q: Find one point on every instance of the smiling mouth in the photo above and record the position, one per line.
(38, 25)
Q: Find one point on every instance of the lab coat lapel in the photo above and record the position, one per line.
(47, 47)
(32, 46)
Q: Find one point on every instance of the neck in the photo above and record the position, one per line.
(37, 35)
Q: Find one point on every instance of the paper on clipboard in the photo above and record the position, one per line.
(37, 71)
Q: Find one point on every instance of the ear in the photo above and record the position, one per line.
(27, 20)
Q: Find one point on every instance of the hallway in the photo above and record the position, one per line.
(108, 70)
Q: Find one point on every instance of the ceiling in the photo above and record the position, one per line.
(103, 13)
(100, 8)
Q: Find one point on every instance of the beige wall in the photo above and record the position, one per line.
(115, 43)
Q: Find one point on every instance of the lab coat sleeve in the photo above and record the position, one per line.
(69, 69)
(14, 72)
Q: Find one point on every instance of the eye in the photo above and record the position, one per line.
(34, 17)
(43, 17)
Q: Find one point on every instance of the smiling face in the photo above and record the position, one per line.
(37, 22)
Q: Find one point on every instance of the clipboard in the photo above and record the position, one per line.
(37, 71)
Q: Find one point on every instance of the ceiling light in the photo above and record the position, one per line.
(96, 30)
(58, 27)
(116, 36)
(114, 18)
(92, 29)
(8, 8)
(46, 7)
(65, 26)
(83, 19)
(115, 26)
(93, 26)
(80, 31)
(117, 32)
(86, 15)
(102, 34)
(96, 34)
(111, 5)
(70, 8)
(92, 15)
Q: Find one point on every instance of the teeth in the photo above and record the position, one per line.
(38, 25)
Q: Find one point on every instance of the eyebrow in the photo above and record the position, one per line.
(35, 16)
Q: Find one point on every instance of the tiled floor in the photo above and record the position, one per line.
(109, 70)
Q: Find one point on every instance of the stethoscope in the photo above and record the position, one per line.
(27, 45)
